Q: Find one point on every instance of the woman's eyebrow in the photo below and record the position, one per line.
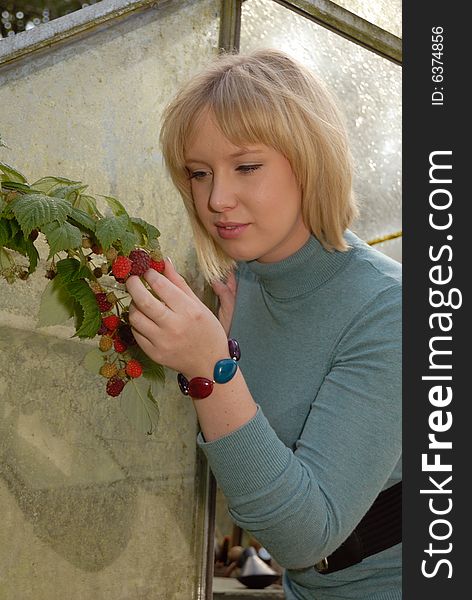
(237, 154)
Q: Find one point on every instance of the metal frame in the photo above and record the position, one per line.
(327, 14)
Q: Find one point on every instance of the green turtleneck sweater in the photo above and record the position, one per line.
(320, 337)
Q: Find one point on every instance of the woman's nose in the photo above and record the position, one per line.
(223, 196)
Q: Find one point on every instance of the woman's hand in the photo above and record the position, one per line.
(178, 330)
(226, 293)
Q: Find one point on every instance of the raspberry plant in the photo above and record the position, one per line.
(90, 255)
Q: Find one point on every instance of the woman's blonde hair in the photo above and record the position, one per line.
(267, 97)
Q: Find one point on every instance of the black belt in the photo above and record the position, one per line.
(379, 529)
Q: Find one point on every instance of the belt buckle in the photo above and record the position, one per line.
(322, 565)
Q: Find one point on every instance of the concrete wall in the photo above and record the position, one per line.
(90, 507)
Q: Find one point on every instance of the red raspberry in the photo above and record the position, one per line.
(97, 249)
(158, 265)
(111, 322)
(103, 304)
(141, 262)
(118, 345)
(134, 368)
(115, 386)
(121, 267)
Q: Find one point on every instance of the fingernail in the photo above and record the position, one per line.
(169, 259)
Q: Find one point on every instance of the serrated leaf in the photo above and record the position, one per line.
(89, 319)
(152, 370)
(82, 218)
(111, 229)
(89, 205)
(93, 360)
(19, 187)
(5, 231)
(117, 208)
(33, 211)
(6, 261)
(62, 237)
(56, 306)
(71, 269)
(145, 229)
(22, 245)
(128, 241)
(68, 192)
(2, 204)
(11, 174)
(47, 184)
(138, 402)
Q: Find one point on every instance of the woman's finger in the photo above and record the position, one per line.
(144, 300)
(139, 322)
(170, 293)
(177, 279)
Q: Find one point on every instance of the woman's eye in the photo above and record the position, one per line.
(198, 174)
(248, 168)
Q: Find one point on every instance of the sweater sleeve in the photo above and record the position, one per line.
(302, 504)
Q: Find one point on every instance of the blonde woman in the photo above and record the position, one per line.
(300, 411)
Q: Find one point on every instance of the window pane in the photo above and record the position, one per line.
(387, 14)
(369, 92)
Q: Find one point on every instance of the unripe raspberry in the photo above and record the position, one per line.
(121, 373)
(115, 386)
(104, 268)
(134, 368)
(96, 287)
(141, 261)
(111, 297)
(111, 322)
(159, 265)
(105, 343)
(109, 370)
(97, 249)
(111, 254)
(121, 267)
(86, 242)
(98, 272)
(118, 345)
(103, 304)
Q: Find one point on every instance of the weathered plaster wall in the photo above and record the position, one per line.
(91, 508)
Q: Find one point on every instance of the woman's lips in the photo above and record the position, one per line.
(230, 231)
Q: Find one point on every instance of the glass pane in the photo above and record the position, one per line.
(22, 15)
(369, 92)
(387, 14)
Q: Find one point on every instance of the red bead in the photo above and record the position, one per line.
(200, 387)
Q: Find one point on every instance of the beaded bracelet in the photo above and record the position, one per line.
(224, 371)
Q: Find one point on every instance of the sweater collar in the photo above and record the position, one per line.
(305, 270)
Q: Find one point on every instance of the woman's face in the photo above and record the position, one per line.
(246, 198)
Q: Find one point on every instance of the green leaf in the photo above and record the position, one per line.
(11, 174)
(62, 237)
(82, 218)
(111, 229)
(6, 261)
(145, 230)
(89, 318)
(2, 204)
(68, 192)
(36, 210)
(22, 245)
(152, 370)
(93, 360)
(128, 241)
(47, 184)
(5, 231)
(89, 205)
(117, 208)
(19, 187)
(139, 404)
(56, 306)
(71, 269)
